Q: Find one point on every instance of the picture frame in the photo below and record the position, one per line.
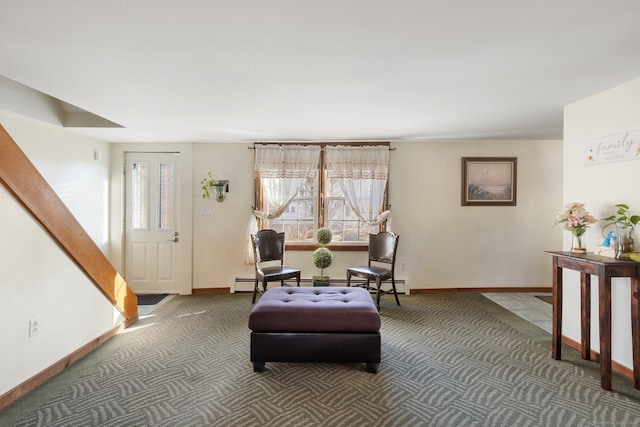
(489, 181)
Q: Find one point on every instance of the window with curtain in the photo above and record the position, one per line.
(346, 192)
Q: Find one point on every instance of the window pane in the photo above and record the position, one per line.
(166, 189)
(140, 196)
(333, 189)
(365, 230)
(335, 208)
(342, 220)
(298, 221)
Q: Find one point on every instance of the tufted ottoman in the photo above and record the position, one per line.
(332, 324)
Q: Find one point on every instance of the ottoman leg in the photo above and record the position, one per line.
(258, 366)
(372, 368)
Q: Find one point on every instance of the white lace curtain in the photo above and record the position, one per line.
(282, 170)
(362, 174)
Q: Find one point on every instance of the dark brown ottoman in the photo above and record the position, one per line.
(337, 325)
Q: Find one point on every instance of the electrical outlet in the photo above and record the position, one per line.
(34, 327)
(206, 215)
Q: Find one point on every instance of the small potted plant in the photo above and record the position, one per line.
(625, 223)
(322, 257)
(207, 185)
(211, 186)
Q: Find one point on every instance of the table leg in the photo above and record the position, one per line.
(556, 321)
(635, 329)
(604, 285)
(585, 315)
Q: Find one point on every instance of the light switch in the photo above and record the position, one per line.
(206, 215)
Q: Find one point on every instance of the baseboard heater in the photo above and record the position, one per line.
(245, 284)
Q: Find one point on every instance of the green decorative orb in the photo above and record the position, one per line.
(322, 258)
(323, 236)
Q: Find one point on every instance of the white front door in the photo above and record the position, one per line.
(152, 237)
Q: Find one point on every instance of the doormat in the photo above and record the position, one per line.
(150, 299)
(545, 298)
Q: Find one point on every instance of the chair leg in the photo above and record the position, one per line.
(348, 279)
(298, 280)
(393, 284)
(255, 292)
(264, 286)
(378, 284)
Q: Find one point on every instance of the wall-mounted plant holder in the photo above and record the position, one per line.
(211, 186)
(221, 188)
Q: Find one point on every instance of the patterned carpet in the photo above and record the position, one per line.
(451, 359)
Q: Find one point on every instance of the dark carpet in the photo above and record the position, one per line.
(449, 359)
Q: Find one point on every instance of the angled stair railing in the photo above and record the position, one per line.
(23, 180)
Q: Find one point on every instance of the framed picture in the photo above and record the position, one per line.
(489, 181)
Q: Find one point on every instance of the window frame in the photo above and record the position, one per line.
(321, 197)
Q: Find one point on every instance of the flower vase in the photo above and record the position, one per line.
(578, 245)
(624, 232)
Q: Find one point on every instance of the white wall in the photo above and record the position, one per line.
(38, 279)
(442, 244)
(67, 163)
(218, 243)
(601, 186)
(446, 245)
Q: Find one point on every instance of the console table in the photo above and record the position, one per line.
(605, 268)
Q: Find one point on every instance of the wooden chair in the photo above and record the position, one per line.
(381, 266)
(268, 255)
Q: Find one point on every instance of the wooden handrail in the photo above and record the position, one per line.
(23, 180)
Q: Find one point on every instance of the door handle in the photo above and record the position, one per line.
(175, 239)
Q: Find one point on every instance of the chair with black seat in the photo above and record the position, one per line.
(268, 255)
(381, 266)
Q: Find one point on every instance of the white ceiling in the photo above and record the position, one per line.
(256, 70)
